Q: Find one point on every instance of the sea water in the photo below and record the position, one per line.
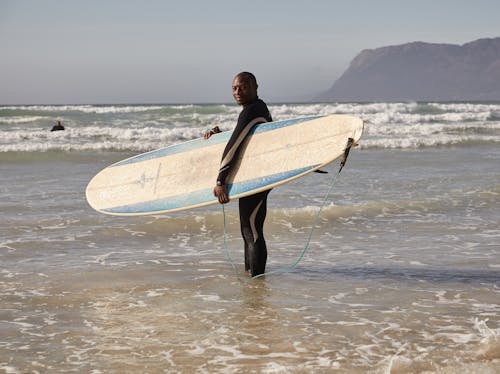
(402, 273)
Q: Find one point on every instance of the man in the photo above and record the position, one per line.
(57, 127)
(252, 208)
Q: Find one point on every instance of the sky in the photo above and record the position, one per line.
(187, 51)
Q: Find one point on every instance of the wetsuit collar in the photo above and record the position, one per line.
(252, 102)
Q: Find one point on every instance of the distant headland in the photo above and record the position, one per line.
(422, 72)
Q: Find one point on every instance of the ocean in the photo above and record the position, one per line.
(402, 274)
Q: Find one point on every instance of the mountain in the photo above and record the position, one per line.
(422, 72)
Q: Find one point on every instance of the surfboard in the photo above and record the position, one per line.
(183, 176)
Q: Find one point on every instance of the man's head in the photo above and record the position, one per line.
(245, 88)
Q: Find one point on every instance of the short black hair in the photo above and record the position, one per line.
(248, 76)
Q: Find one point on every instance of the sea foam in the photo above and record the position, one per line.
(140, 128)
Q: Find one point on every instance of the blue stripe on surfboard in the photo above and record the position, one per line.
(205, 195)
(216, 139)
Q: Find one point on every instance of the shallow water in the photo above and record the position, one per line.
(402, 274)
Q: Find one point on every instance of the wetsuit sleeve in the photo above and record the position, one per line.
(249, 117)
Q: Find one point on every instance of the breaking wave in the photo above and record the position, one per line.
(140, 128)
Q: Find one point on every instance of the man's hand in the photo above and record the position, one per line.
(221, 193)
(208, 134)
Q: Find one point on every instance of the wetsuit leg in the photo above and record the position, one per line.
(252, 216)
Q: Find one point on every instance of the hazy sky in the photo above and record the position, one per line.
(181, 51)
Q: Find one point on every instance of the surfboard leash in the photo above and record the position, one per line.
(285, 269)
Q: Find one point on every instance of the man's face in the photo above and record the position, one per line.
(244, 90)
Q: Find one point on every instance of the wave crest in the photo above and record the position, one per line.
(139, 128)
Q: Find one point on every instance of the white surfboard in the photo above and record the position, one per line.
(183, 176)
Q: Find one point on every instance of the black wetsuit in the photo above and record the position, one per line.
(57, 128)
(252, 208)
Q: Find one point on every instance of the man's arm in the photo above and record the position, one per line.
(250, 116)
(233, 147)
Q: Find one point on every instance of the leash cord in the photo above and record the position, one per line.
(287, 268)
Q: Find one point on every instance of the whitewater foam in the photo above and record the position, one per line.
(140, 128)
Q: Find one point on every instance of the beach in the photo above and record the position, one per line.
(402, 273)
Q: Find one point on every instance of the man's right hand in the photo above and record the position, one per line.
(221, 193)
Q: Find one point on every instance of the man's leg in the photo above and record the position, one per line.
(252, 216)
